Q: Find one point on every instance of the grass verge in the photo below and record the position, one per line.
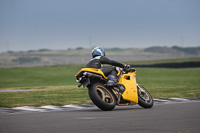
(57, 84)
(61, 95)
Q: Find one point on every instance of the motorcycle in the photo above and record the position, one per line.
(106, 97)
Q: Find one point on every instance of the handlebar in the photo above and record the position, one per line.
(132, 70)
(129, 70)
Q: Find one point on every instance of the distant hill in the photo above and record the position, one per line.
(175, 50)
(46, 57)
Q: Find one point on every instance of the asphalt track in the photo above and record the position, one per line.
(181, 117)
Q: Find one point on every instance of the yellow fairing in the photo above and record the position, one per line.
(93, 70)
(129, 81)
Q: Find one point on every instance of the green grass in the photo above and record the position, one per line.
(57, 86)
(162, 82)
(38, 76)
(55, 96)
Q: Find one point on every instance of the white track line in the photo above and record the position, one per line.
(51, 107)
(178, 99)
(73, 106)
(160, 100)
(30, 108)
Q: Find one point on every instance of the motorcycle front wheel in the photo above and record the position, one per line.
(144, 97)
(102, 97)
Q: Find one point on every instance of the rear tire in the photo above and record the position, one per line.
(102, 97)
(144, 97)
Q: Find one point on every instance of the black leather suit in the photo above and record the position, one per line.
(98, 61)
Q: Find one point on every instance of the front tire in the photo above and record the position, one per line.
(102, 97)
(144, 97)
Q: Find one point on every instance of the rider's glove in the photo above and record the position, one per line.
(128, 67)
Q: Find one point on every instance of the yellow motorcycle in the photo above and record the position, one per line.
(105, 97)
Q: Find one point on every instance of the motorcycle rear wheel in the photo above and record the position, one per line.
(144, 97)
(102, 97)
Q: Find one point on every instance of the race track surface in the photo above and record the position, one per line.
(178, 117)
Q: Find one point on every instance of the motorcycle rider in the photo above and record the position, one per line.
(99, 58)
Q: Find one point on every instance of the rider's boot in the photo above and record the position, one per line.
(112, 82)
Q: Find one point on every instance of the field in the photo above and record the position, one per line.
(56, 85)
(45, 57)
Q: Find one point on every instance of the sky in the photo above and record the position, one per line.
(62, 24)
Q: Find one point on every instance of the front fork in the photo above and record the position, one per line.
(141, 91)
